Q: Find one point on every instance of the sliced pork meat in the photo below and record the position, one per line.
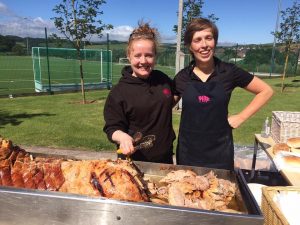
(186, 188)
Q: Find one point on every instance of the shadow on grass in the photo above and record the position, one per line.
(17, 119)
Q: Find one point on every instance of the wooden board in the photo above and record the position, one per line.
(293, 178)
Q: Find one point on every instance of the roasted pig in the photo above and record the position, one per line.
(116, 179)
(106, 178)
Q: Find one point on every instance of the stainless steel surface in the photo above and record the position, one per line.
(32, 207)
(159, 170)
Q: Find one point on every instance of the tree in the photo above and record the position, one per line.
(229, 53)
(6, 44)
(289, 33)
(79, 20)
(18, 49)
(57, 41)
(192, 9)
(259, 54)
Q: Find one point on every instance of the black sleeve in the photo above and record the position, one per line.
(180, 82)
(169, 81)
(241, 77)
(114, 115)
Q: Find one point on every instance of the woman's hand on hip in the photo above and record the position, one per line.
(235, 121)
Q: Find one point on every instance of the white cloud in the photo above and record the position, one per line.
(35, 28)
(3, 9)
(12, 24)
(27, 27)
(120, 33)
(168, 38)
(5, 12)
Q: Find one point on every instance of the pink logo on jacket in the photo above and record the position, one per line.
(167, 92)
(203, 98)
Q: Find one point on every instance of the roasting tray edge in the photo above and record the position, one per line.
(46, 207)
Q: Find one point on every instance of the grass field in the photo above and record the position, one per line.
(17, 74)
(60, 120)
(17, 77)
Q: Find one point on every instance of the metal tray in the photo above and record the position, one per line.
(26, 206)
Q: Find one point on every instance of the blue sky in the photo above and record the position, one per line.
(243, 22)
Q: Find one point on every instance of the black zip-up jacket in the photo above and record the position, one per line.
(144, 105)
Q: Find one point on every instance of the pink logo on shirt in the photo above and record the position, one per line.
(203, 98)
(167, 92)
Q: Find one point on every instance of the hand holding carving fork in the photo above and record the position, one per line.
(140, 142)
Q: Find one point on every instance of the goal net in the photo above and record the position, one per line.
(58, 69)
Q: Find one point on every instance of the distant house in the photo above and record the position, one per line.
(235, 59)
(242, 53)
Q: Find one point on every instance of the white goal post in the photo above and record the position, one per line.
(56, 69)
(124, 61)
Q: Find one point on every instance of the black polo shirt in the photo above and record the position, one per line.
(228, 74)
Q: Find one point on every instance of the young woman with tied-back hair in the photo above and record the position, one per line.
(205, 86)
(141, 101)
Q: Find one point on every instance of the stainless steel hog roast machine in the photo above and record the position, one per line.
(57, 190)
